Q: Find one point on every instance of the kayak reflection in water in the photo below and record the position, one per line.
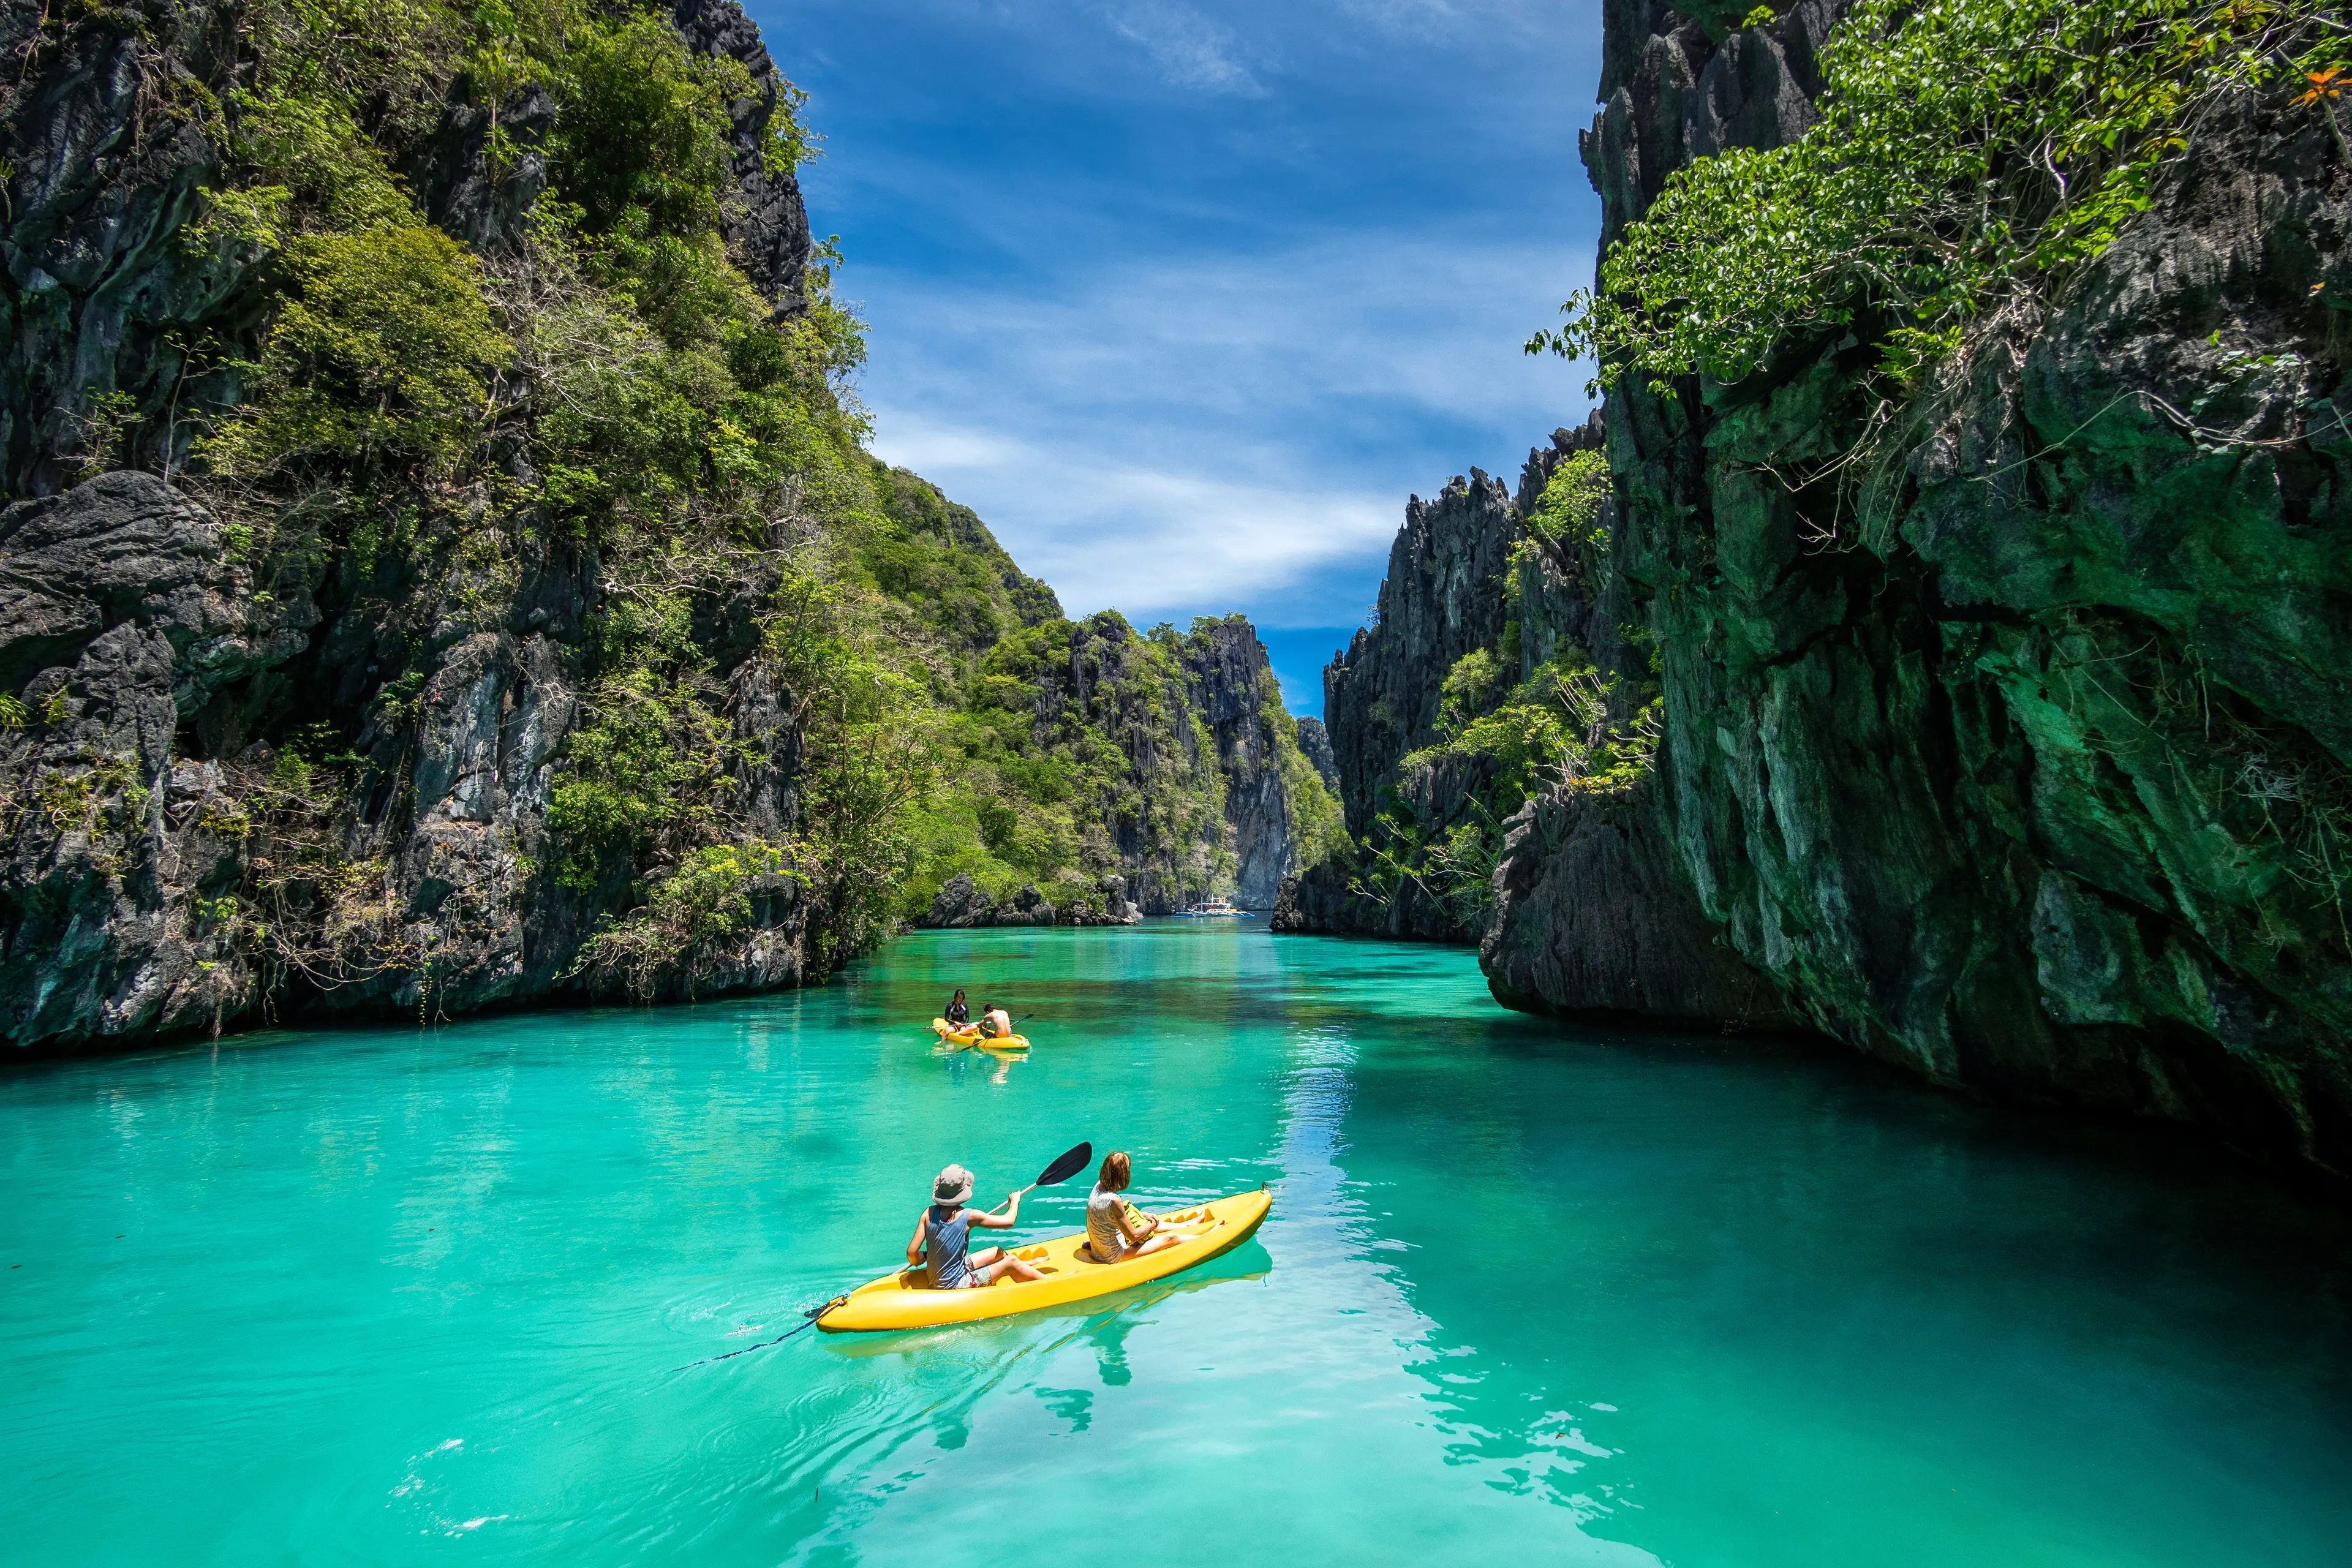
(943, 1232)
(1114, 1231)
(996, 1023)
(959, 1011)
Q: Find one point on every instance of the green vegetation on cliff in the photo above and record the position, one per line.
(1512, 725)
(1970, 157)
(441, 424)
(1085, 754)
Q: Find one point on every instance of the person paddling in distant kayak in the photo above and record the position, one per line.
(1114, 1231)
(959, 1011)
(996, 1023)
(943, 1233)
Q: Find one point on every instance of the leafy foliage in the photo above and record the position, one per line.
(1970, 154)
(642, 125)
(705, 900)
(1569, 512)
(1566, 726)
(383, 354)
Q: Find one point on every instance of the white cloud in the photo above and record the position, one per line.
(1184, 436)
(1191, 49)
(1149, 541)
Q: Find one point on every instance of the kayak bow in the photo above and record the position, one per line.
(901, 1300)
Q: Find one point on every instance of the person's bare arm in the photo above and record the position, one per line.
(915, 1247)
(1134, 1235)
(1004, 1221)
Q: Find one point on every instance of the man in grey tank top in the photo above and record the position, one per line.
(943, 1233)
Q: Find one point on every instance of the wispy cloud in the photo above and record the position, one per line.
(1149, 541)
(1191, 49)
(1220, 431)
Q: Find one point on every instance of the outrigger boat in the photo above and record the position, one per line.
(1211, 908)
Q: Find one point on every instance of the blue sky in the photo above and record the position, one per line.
(1185, 297)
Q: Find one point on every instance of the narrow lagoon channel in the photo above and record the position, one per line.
(1526, 1293)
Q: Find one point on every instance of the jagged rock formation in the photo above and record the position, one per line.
(1236, 695)
(766, 224)
(150, 650)
(1588, 904)
(97, 282)
(120, 616)
(2034, 776)
(2035, 781)
(1441, 598)
(1315, 745)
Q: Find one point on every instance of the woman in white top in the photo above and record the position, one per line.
(1111, 1235)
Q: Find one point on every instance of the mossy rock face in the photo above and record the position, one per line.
(2016, 750)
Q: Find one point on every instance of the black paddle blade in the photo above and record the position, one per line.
(1069, 1166)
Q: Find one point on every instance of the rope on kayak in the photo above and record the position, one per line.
(811, 1313)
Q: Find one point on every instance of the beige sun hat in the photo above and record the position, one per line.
(953, 1185)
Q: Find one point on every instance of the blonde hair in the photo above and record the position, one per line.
(1115, 1170)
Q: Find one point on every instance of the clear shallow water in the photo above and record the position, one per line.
(1526, 1294)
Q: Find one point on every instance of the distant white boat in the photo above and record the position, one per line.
(1211, 908)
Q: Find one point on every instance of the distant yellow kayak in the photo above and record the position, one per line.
(970, 1035)
(902, 1301)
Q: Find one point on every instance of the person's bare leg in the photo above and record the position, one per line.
(983, 1257)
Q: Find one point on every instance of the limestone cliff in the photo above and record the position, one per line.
(438, 566)
(1234, 693)
(180, 693)
(1443, 597)
(2032, 776)
(1577, 895)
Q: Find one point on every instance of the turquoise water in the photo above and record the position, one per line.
(1526, 1294)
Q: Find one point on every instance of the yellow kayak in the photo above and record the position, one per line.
(970, 1035)
(902, 1301)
